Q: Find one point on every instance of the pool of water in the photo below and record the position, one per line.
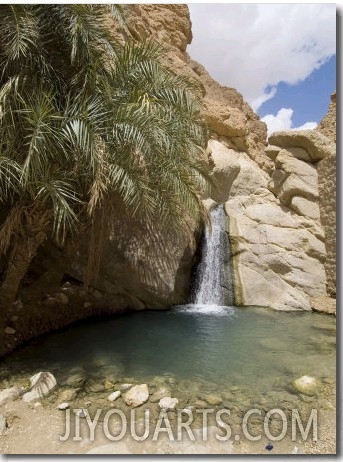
(255, 349)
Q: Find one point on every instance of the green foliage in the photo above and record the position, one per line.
(83, 119)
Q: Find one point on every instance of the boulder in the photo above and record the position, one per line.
(42, 384)
(294, 177)
(317, 145)
(137, 395)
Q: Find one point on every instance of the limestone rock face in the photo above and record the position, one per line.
(225, 111)
(169, 24)
(327, 197)
(327, 125)
(327, 206)
(234, 173)
(278, 255)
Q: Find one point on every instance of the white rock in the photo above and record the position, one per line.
(113, 396)
(306, 385)
(42, 384)
(168, 403)
(137, 395)
(126, 386)
(9, 394)
(63, 406)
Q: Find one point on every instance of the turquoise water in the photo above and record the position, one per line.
(253, 348)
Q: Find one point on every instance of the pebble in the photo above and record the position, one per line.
(113, 396)
(125, 386)
(63, 406)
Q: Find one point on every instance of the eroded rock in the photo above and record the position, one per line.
(317, 145)
(41, 385)
(137, 395)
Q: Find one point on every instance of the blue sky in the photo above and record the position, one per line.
(309, 98)
(281, 57)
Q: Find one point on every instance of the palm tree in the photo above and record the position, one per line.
(85, 123)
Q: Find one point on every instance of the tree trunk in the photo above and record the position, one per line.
(24, 249)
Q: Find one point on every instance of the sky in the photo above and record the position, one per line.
(280, 57)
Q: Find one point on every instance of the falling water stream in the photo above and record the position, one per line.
(214, 284)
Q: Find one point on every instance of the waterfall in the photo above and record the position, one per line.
(213, 282)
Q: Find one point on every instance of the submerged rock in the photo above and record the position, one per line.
(160, 393)
(63, 406)
(69, 394)
(42, 384)
(137, 395)
(306, 385)
(9, 394)
(126, 386)
(168, 403)
(113, 396)
(213, 400)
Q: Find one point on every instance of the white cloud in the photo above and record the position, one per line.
(283, 121)
(253, 47)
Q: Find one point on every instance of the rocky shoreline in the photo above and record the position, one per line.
(25, 409)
